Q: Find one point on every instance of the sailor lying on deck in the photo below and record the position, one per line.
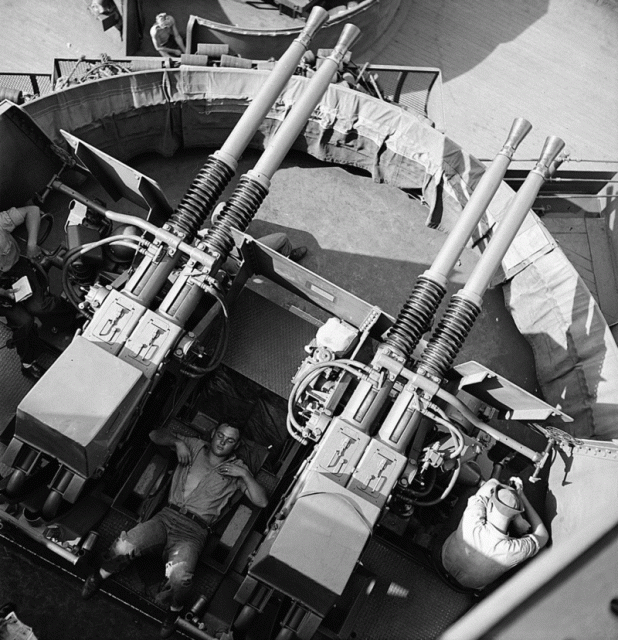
(206, 478)
(481, 549)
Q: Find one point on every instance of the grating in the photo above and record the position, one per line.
(408, 601)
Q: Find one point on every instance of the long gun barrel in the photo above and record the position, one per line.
(206, 188)
(465, 305)
(255, 113)
(253, 187)
(416, 315)
(255, 184)
(402, 422)
(479, 201)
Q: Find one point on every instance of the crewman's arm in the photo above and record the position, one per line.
(33, 223)
(9, 294)
(252, 488)
(178, 38)
(539, 531)
(165, 438)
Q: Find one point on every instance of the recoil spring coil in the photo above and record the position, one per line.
(237, 214)
(200, 198)
(415, 317)
(448, 338)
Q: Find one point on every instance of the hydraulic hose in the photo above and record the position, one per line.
(417, 313)
(351, 366)
(194, 371)
(132, 242)
(446, 492)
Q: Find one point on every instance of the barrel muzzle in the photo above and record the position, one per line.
(316, 19)
(555, 165)
(519, 130)
(549, 154)
(348, 37)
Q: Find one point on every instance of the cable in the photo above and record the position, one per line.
(312, 372)
(194, 371)
(351, 366)
(224, 336)
(569, 159)
(133, 242)
(439, 416)
(445, 493)
(433, 474)
(553, 196)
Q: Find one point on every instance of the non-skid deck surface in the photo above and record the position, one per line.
(586, 244)
(408, 601)
(554, 63)
(551, 62)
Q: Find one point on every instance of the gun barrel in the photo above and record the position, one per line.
(465, 306)
(255, 113)
(253, 187)
(206, 188)
(293, 124)
(418, 311)
(477, 204)
(481, 276)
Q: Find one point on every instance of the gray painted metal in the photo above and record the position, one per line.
(263, 340)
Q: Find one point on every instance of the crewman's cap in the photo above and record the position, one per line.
(506, 501)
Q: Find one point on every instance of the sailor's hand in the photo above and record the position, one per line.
(231, 469)
(183, 453)
(517, 484)
(34, 251)
(7, 293)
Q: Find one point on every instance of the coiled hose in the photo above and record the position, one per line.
(133, 242)
(351, 366)
(194, 371)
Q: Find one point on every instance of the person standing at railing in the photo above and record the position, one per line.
(165, 36)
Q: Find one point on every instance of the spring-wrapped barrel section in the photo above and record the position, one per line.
(237, 214)
(415, 317)
(449, 337)
(200, 198)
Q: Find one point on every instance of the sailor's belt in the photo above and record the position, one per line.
(189, 514)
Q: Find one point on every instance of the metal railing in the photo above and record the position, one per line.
(21, 87)
(71, 71)
(418, 89)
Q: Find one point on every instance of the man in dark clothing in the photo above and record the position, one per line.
(205, 480)
(20, 315)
